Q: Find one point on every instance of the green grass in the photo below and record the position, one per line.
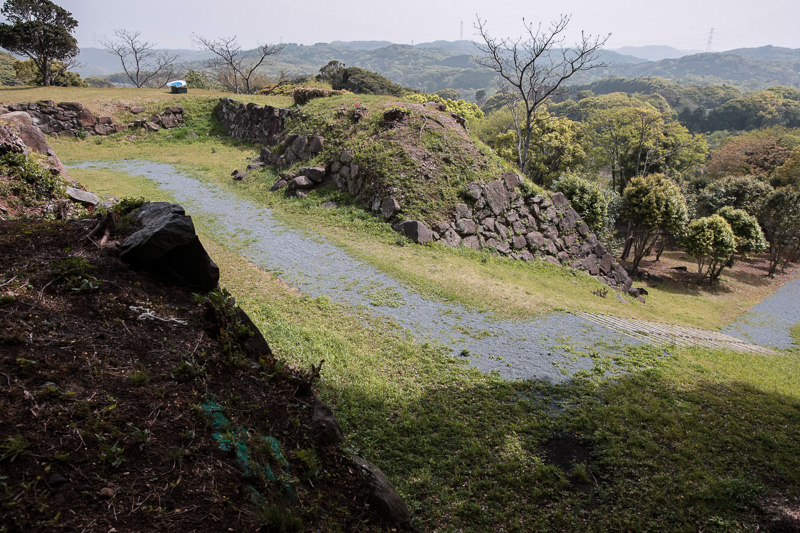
(691, 440)
(473, 278)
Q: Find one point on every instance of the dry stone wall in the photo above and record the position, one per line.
(72, 119)
(497, 215)
(251, 122)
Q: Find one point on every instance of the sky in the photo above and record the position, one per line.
(683, 24)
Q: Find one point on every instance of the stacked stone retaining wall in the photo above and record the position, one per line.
(72, 119)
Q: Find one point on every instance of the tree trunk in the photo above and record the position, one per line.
(626, 251)
(46, 72)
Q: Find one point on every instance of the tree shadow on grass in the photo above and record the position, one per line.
(670, 448)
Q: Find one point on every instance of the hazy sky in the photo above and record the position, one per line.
(680, 23)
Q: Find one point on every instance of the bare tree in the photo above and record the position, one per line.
(533, 68)
(140, 61)
(236, 68)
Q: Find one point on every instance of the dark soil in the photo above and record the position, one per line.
(106, 423)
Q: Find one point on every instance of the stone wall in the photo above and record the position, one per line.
(72, 119)
(251, 122)
(497, 214)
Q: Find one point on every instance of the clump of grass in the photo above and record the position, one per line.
(13, 448)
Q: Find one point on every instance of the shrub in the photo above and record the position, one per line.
(652, 204)
(711, 242)
(748, 234)
(589, 199)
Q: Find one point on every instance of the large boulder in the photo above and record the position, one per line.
(167, 243)
(19, 118)
(36, 141)
(383, 495)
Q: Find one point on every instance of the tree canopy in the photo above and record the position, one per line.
(711, 242)
(532, 69)
(652, 204)
(40, 30)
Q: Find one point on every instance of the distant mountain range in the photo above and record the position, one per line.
(449, 64)
(655, 53)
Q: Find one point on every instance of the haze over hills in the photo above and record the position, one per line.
(655, 52)
(440, 65)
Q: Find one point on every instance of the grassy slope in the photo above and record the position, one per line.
(685, 441)
(690, 439)
(473, 278)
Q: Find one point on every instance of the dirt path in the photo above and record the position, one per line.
(552, 348)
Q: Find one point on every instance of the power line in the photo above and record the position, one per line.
(710, 37)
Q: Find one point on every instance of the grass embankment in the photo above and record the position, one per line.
(691, 440)
(475, 279)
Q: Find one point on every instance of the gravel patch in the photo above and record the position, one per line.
(550, 348)
(768, 322)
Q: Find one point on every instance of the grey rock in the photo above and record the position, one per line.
(496, 196)
(301, 182)
(167, 243)
(451, 238)
(278, 185)
(463, 211)
(474, 190)
(254, 166)
(71, 106)
(299, 145)
(316, 144)
(559, 200)
(324, 425)
(85, 198)
(346, 156)
(19, 118)
(471, 242)
(536, 239)
(389, 207)
(512, 180)
(137, 109)
(383, 495)
(414, 230)
(466, 226)
(315, 174)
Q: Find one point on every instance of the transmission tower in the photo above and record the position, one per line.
(710, 38)
(461, 35)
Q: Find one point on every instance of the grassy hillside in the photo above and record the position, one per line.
(473, 278)
(669, 440)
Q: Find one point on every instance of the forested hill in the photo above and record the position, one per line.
(449, 64)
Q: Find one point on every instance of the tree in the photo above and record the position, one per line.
(752, 154)
(746, 231)
(40, 30)
(140, 61)
(235, 68)
(533, 68)
(711, 242)
(27, 72)
(331, 72)
(739, 192)
(634, 138)
(652, 204)
(555, 142)
(780, 218)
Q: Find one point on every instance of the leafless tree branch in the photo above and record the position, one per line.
(235, 68)
(533, 68)
(141, 62)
